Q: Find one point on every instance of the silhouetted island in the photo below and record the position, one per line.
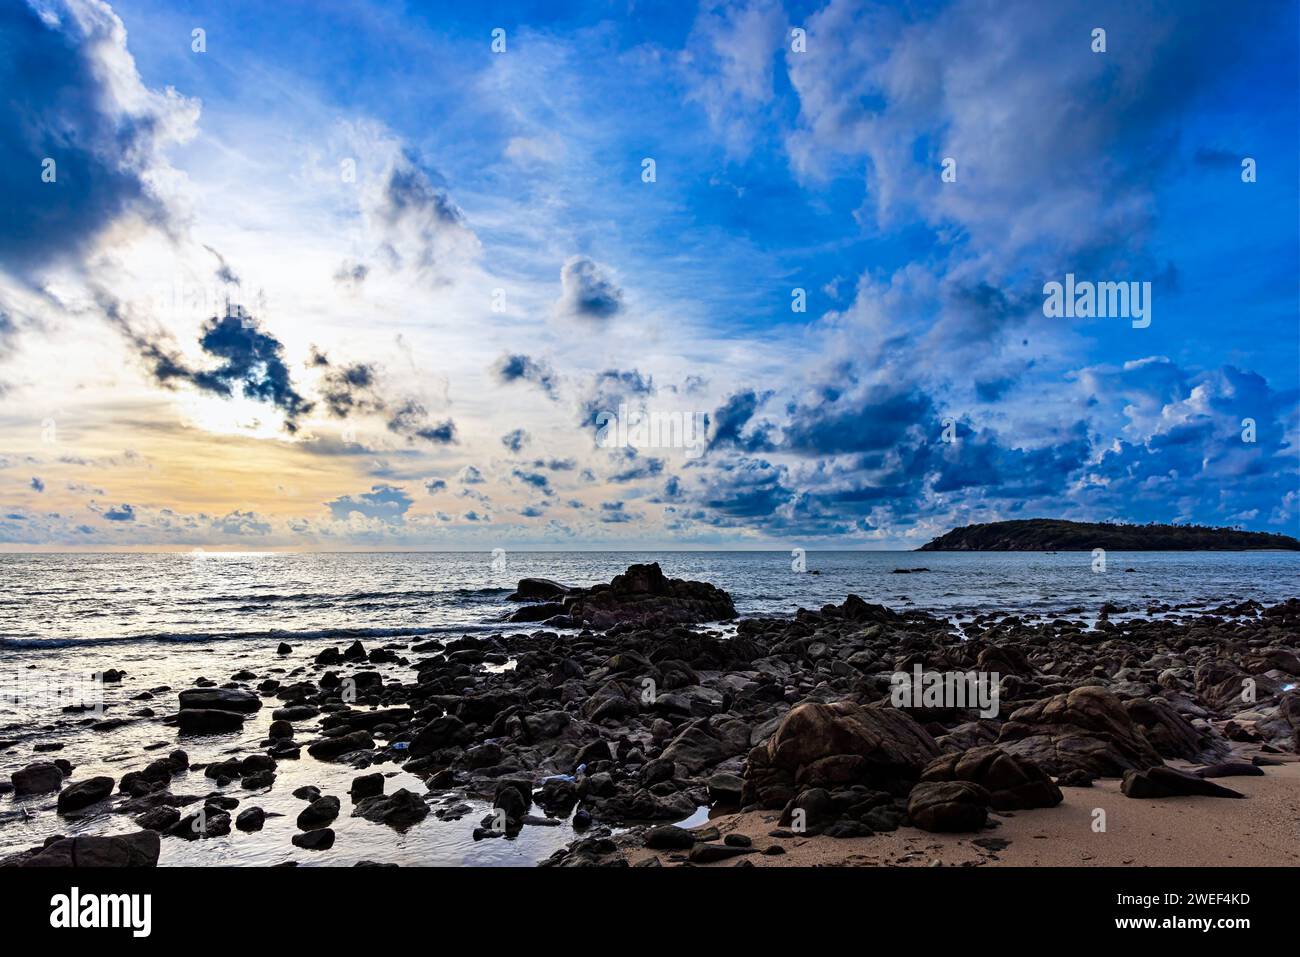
(1047, 535)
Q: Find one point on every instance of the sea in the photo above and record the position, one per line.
(169, 619)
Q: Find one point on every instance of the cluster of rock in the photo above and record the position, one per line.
(644, 722)
(642, 596)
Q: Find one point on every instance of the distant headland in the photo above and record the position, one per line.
(1048, 535)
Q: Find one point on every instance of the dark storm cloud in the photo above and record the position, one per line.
(832, 421)
(252, 360)
(68, 97)
(730, 420)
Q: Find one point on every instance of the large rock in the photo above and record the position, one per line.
(538, 589)
(399, 810)
(319, 840)
(1164, 782)
(841, 743)
(327, 749)
(40, 777)
(441, 732)
(139, 849)
(318, 813)
(84, 793)
(707, 743)
(1172, 735)
(208, 721)
(222, 699)
(1085, 729)
(642, 595)
(948, 806)
(1013, 783)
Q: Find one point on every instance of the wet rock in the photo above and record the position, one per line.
(318, 813)
(220, 699)
(366, 785)
(82, 794)
(39, 777)
(318, 840)
(442, 732)
(641, 595)
(400, 810)
(251, 819)
(139, 849)
(257, 780)
(205, 823)
(538, 589)
(208, 721)
(327, 749)
(158, 818)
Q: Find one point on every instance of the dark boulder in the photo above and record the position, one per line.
(139, 849)
(851, 743)
(398, 810)
(318, 813)
(1087, 728)
(1162, 782)
(1014, 783)
(40, 777)
(948, 806)
(318, 840)
(220, 699)
(208, 721)
(327, 749)
(82, 794)
(538, 589)
(250, 819)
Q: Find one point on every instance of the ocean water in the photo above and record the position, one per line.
(168, 620)
(59, 600)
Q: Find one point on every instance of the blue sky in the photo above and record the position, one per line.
(416, 354)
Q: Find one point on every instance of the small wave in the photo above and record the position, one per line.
(326, 599)
(275, 634)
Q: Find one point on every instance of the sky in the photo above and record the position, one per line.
(382, 275)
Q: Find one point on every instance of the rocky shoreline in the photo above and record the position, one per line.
(630, 714)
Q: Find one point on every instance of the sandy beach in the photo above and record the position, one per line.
(1189, 831)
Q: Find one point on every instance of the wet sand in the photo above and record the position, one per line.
(1262, 830)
